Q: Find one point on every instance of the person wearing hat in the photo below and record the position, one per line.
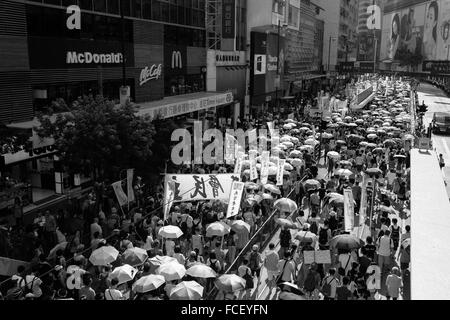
(394, 284)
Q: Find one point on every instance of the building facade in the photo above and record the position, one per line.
(46, 65)
(340, 36)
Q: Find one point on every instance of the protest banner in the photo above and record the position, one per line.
(252, 140)
(130, 191)
(120, 194)
(265, 167)
(253, 170)
(234, 202)
(229, 148)
(280, 171)
(195, 187)
(349, 211)
(317, 256)
(238, 165)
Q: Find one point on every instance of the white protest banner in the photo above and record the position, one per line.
(169, 196)
(238, 165)
(349, 211)
(8, 267)
(275, 142)
(265, 167)
(362, 211)
(130, 191)
(253, 170)
(280, 171)
(271, 127)
(234, 202)
(252, 140)
(319, 256)
(120, 194)
(195, 187)
(229, 148)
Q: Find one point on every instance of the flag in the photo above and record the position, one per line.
(349, 211)
(130, 191)
(169, 196)
(120, 194)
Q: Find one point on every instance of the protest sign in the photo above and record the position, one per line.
(349, 211)
(280, 171)
(234, 202)
(120, 194)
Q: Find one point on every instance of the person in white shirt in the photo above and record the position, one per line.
(170, 246)
(286, 267)
(271, 264)
(385, 246)
(112, 293)
(179, 256)
(95, 227)
(346, 260)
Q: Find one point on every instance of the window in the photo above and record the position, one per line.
(147, 9)
(277, 6)
(293, 16)
(113, 6)
(181, 15)
(165, 11)
(173, 13)
(136, 8)
(100, 5)
(189, 16)
(86, 4)
(156, 10)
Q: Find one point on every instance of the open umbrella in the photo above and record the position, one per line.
(160, 260)
(307, 147)
(240, 225)
(170, 232)
(343, 172)
(296, 162)
(372, 136)
(346, 242)
(271, 188)
(148, 283)
(171, 271)
(59, 246)
(201, 270)
(134, 256)
(312, 184)
(311, 142)
(286, 223)
(345, 163)
(285, 205)
(333, 155)
(230, 283)
(103, 256)
(295, 154)
(305, 236)
(400, 156)
(187, 290)
(123, 273)
(218, 229)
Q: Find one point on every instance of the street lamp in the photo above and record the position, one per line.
(329, 50)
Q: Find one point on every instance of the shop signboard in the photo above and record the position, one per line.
(229, 19)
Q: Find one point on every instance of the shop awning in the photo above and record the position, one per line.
(187, 103)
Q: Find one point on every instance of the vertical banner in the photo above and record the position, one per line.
(169, 196)
(362, 212)
(275, 142)
(130, 191)
(253, 170)
(228, 19)
(238, 166)
(264, 167)
(229, 149)
(280, 171)
(349, 211)
(252, 140)
(271, 127)
(121, 196)
(235, 199)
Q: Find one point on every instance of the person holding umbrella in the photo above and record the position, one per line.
(255, 261)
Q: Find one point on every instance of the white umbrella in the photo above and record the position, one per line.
(230, 283)
(148, 283)
(333, 155)
(187, 290)
(239, 225)
(217, 229)
(172, 271)
(103, 256)
(135, 256)
(123, 273)
(201, 270)
(170, 232)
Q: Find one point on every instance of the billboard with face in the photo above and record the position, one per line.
(430, 35)
(443, 32)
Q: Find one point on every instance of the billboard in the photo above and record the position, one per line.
(420, 32)
(369, 29)
(229, 19)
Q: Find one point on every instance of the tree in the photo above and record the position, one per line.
(12, 142)
(99, 137)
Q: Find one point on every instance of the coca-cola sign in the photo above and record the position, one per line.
(152, 73)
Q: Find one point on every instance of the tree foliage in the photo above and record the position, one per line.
(98, 136)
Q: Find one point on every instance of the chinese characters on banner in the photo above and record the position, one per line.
(349, 211)
(169, 196)
(130, 191)
(238, 165)
(120, 194)
(235, 199)
(252, 140)
(196, 187)
(280, 171)
(264, 167)
(253, 170)
(363, 229)
(229, 149)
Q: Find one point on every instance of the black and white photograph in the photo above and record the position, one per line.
(221, 157)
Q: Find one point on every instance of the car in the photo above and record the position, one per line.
(441, 122)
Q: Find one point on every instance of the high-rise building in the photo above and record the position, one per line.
(340, 35)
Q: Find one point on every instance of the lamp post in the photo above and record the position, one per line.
(329, 50)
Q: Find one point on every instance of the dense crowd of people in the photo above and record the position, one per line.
(100, 251)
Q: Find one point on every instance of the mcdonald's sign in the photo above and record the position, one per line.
(177, 61)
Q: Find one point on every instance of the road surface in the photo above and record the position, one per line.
(437, 101)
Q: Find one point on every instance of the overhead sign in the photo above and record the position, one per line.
(196, 187)
(152, 73)
(229, 19)
(260, 64)
(73, 57)
(177, 61)
(227, 58)
(183, 107)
